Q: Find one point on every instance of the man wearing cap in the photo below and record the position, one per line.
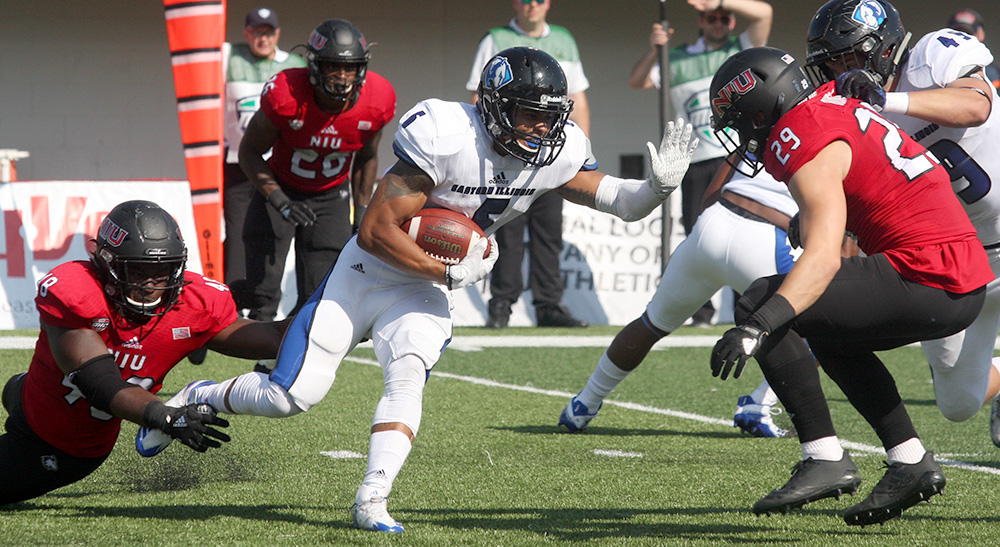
(970, 22)
(247, 66)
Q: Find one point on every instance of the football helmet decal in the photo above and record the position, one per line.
(849, 34)
(526, 81)
(750, 92)
(139, 241)
(337, 41)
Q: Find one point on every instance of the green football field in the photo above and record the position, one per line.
(660, 465)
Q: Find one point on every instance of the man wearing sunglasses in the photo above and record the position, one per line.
(691, 69)
(544, 219)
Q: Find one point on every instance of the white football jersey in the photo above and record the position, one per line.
(763, 189)
(449, 142)
(972, 154)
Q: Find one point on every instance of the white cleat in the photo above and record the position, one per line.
(576, 416)
(150, 442)
(755, 419)
(373, 515)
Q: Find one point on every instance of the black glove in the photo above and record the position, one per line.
(794, 237)
(296, 212)
(735, 347)
(860, 84)
(188, 424)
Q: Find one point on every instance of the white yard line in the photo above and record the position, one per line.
(853, 446)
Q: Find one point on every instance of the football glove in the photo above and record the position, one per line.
(188, 424)
(669, 164)
(296, 212)
(860, 84)
(473, 268)
(794, 234)
(736, 346)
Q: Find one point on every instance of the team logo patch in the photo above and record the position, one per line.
(50, 463)
(100, 324)
(364, 125)
(181, 333)
(740, 85)
(317, 40)
(296, 124)
(497, 73)
(870, 14)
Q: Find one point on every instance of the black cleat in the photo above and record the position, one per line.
(811, 480)
(903, 486)
(557, 316)
(198, 356)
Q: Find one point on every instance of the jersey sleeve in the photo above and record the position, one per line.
(944, 56)
(69, 297)
(804, 131)
(386, 100)
(430, 134)
(276, 100)
(215, 299)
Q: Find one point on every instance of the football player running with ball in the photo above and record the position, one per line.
(938, 93)
(923, 276)
(488, 161)
(111, 330)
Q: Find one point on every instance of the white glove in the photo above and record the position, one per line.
(669, 165)
(473, 268)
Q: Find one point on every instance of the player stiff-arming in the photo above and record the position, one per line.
(488, 162)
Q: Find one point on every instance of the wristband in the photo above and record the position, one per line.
(896, 103)
(278, 199)
(773, 314)
(155, 415)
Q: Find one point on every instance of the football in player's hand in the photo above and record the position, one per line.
(443, 234)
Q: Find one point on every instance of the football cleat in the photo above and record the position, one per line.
(373, 515)
(576, 415)
(150, 442)
(755, 419)
(811, 480)
(995, 422)
(903, 486)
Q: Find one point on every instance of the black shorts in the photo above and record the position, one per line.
(30, 466)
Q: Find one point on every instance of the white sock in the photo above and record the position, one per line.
(764, 395)
(826, 449)
(601, 383)
(387, 450)
(252, 393)
(911, 451)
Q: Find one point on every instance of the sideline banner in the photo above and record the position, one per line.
(610, 268)
(46, 223)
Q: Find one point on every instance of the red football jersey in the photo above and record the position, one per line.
(70, 296)
(899, 198)
(314, 149)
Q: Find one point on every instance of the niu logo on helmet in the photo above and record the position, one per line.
(740, 85)
(112, 233)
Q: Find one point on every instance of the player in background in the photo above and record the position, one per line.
(323, 124)
(736, 240)
(112, 328)
(938, 94)
(923, 275)
(488, 161)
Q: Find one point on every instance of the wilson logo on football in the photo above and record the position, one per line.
(740, 85)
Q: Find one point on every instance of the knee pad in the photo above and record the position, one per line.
(755, 295)
(957, 399)
(404, 391)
